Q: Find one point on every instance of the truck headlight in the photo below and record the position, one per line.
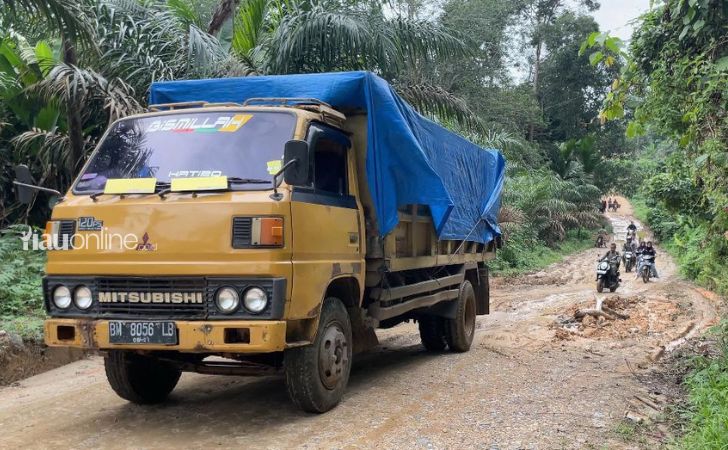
(62, 297)
(227, 300)
(255, 300)
(82, 297)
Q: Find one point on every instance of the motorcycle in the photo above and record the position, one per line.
(647, 267)
(600, 242)
(631, 234)
(628, 260)
(607, 276)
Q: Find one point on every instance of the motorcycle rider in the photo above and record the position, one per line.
(632, 226)
(650, 250)
(627, 247)
(639, 252)
(613, 258)
(612, 255)
(602, 233)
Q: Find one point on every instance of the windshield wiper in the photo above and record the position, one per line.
(237, 180)
(231, 181)
(165, 186)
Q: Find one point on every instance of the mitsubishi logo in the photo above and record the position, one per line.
(145, 245)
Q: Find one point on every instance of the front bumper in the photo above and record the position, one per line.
(193, 336)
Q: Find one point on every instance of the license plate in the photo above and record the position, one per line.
(133, 332)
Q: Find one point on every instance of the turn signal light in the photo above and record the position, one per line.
(267, 231)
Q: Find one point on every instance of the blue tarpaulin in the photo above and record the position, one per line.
(410, 159)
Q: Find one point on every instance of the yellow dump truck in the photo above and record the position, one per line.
(245, 238)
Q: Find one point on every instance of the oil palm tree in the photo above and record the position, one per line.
(107, 52)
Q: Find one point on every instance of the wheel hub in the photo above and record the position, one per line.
(333, 356)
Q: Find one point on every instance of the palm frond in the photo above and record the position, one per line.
(417, 39)
(321, 40)
(71, 17)
(75, 88)
(435, 101)
(185, 13)
(248, 27)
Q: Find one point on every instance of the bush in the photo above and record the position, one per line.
(20, 276)
(707, 413)
(701, 254)
(525, 252)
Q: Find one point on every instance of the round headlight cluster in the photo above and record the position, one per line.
(62, 297)
(227, 299)
(255, 300)
(82, 297)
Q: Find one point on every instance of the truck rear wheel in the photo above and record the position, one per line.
(432, 333)
(317, 374)
(140, 379)
(461, 329)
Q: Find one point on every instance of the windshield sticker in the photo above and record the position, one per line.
(227, 124)
(199, 184)
(130, 186)
(194, 173)
(274, 166)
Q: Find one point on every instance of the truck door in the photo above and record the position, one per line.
(325, 221)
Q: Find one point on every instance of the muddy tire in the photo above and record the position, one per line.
(317, 374)
(140, 379)
(645, 274)
(432, 333)
(600, 285)
(461, 329)
(613, 288)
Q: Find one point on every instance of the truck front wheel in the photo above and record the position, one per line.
(432, 333)
(140, 379)
(317, 374)
(461, 329)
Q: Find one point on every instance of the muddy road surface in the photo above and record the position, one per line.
(534, 378)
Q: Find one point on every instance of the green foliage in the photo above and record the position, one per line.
(20, 275)
(707, 411)
(525, 252)
(67, 69)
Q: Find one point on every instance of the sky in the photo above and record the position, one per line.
(614, 16)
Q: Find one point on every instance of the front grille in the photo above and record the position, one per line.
(206, 286)
(242, 230)
(152, 285)
(66, 230)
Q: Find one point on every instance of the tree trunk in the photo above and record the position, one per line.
(536, 75)
(73, 116)
(224, 11)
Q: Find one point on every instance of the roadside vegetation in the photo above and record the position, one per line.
(21, 298)
(506, 74)
(576, 112)
(706, 415)
(673, 90)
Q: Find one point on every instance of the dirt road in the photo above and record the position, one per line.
(535, 378)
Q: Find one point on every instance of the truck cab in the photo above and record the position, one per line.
(239, 239)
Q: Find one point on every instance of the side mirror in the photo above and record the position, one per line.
(23, 192)
(25, 189)
(296, 173)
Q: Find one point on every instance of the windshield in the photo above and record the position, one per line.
(246, 145)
